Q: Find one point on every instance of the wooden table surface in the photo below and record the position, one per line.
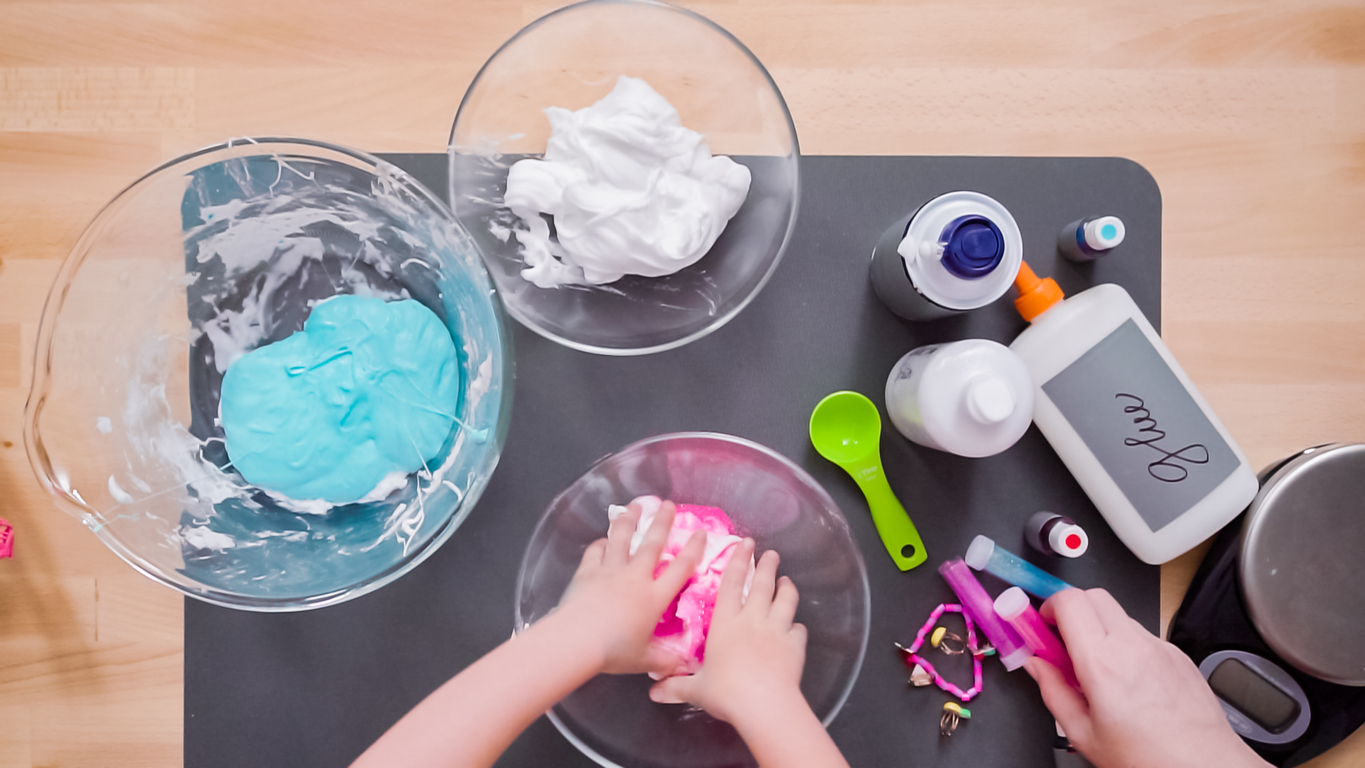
(1251, 116)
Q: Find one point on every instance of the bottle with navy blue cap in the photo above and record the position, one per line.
(957, 252)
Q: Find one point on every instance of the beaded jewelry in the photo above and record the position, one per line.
(923, 666)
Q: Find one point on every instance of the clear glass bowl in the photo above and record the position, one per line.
(571, 58)
(611, 719)
(209, 256)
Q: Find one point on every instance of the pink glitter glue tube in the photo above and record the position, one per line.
(1013, 651)
(1013, 606)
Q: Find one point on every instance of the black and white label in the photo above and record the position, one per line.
(1143, 426)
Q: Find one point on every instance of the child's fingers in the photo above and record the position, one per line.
(675, 576)
(660, 663)
(674, 690)
(730, 594)
(619, 534)
(761, 591)
(1064, 702)
(798, 633)
(593, 554)
(656, 537)
(784, 602)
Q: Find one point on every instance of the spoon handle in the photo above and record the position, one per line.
(893, 523)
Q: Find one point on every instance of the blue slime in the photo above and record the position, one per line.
(367, 388)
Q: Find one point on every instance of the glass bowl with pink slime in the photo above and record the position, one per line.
(769, 498)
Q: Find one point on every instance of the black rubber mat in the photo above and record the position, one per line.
(316, 688)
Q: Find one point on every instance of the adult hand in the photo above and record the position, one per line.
(1143, 703)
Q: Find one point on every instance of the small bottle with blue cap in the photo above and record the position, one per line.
(1093, 236)
(957, 252)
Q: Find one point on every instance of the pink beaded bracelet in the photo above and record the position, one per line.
(913, 657)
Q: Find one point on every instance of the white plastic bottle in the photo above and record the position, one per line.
(957, 252)
(973, 398)
(1127, 421)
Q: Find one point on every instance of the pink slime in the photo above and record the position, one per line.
(682, 629)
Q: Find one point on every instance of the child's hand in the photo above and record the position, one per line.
(615, 600)
(1145, 703)
(754, 653)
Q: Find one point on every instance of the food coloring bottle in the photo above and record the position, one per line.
(1052, 534)
(1087, 238)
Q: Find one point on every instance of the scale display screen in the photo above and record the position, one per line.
(1256, 697)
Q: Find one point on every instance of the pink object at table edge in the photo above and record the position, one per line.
(6, 539)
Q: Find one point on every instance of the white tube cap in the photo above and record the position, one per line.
(1011, 603)
(1104, 233)
(979, 553)
(1016, 660)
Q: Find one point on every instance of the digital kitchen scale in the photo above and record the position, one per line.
(1275, 616)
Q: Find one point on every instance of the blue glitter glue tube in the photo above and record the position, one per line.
(984, 555)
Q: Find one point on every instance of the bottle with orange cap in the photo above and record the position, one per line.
(1126, 420)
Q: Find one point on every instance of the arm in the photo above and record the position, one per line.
(1144, 705)
(752, 674)
(603, 624)
(475, 715)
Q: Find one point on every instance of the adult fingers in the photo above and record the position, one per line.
(593, 554)
(1111, 614)
(674, 690)
(1080, 627)
(675, 576)
(730, 593)
(619, 533)
(1075, 617)
(784, 602)
(656, 537)
(761, 590)
(1065, 703)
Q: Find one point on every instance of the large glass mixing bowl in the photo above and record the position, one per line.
(203, 259)
(571, 58)
(611, 719)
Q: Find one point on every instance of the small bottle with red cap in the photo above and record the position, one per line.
(1053, 534)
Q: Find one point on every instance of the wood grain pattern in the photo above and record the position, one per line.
(1251, 116)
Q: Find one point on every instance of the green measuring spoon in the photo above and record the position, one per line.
(846, 429)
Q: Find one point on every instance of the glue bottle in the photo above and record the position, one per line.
(1126, 419)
